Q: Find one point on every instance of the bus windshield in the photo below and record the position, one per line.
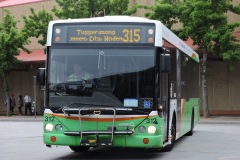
(115, 77)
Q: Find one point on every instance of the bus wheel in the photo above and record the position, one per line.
(190, 133)
(79, 148)
(173, 134)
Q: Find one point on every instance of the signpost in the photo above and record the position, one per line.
(34, 103)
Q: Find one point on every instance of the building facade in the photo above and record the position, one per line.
(223, 86)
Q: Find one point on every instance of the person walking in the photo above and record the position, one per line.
(12, 104)
(27, 100)
(20, 104)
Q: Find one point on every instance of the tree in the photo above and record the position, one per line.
(36, 24)
(205, 22)
(92, 8)
(11, 40)
(166, 11)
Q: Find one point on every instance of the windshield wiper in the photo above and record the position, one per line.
(59, 109)
(93, 105)
(132, 110)
(68, 108)
(141, 111)
(81, 105)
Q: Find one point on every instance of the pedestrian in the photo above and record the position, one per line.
(27, 100)
(12, 103)
(20, 104)
(7, 104)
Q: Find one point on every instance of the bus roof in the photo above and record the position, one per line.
(162, 32)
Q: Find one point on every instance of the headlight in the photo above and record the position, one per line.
(141, 129)
(58, 127)
(49, 127)
(152, 129)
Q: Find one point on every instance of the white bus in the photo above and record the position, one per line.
(139, 87)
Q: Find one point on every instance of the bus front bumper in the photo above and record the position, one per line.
(133, 141)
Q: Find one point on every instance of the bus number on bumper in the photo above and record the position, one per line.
(151, 120)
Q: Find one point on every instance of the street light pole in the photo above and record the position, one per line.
(35, 94)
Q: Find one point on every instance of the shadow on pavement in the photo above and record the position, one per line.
(113, 153)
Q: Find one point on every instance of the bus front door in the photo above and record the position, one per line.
(164, 97)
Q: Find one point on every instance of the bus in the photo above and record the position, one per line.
(142, 90)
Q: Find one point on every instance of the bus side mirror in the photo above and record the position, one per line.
(41, 76)
(165, 63)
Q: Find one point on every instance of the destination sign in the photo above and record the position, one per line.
(96, 33)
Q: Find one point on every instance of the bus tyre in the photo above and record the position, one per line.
(190, 133)
(79, 148)
(173, 134)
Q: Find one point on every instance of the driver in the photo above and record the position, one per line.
(80, 75)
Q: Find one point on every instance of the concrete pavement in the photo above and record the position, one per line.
(210, 141)
(221, 120)
(21, 118)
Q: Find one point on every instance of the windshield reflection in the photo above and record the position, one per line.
(111, 77)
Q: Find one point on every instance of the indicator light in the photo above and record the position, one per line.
(150, 31)
(58, 127)
(57, 39)
(58, 30)
(145, 140)
(150, 40)
(53, 139)
(141, 129)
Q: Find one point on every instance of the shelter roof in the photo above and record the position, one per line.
(37, 55)
(8, 3)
